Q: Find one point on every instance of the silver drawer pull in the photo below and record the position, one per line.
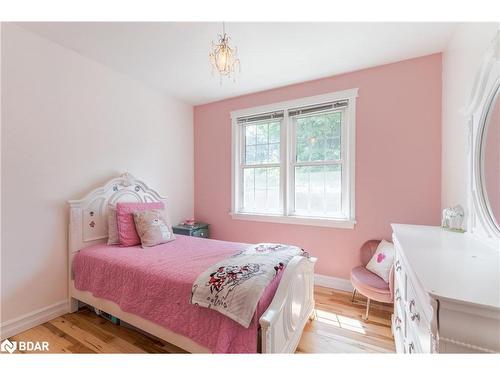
(398, 323)
(411, 348)
(413, 315)
(398, 265)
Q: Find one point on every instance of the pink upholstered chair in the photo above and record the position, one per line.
(367, 283)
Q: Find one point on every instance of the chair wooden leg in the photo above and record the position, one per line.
(353, 295)
(367, 308)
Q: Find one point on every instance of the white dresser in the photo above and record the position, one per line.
(447, 292)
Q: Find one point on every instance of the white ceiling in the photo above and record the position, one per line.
(173, 56)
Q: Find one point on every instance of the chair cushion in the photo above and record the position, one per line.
(361, 278)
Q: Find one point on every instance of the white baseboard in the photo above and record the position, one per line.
(333, 282)
(14, 326)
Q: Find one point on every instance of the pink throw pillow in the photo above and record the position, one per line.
(125, 219)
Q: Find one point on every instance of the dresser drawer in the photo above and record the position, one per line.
(200, 233)
(410, 307)
(417, 323)
(196, 230)
(399, 321)
(400, 313)
(183, 231)
(399, 276)
(398, 332)
(400, 289)
(412, 345)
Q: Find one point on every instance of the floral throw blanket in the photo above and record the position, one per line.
(234, 286)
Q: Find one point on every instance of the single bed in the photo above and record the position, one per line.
(150, 288)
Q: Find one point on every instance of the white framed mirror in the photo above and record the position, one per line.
(489, 157)
(483, 111)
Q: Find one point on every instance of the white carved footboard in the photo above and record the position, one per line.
(282, 323)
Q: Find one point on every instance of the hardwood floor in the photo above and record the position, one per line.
(337, 328)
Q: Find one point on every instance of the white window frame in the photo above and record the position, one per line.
(241, 167)
(348, 139)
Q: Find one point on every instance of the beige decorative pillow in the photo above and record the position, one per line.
(113, 238)
(153, 227)
(382, 260)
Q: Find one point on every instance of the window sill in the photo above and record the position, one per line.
(298, 220)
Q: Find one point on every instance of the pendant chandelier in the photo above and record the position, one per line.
(223, 58)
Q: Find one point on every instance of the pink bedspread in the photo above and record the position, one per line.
(155, 283)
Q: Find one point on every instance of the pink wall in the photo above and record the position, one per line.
(398, 160)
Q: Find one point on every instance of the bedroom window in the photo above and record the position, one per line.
(261, 164)
(293, 162)
(317, 164)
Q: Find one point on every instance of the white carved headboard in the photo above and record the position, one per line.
(88, 223)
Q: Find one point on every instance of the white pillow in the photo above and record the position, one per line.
(381, 262)
(113, 238)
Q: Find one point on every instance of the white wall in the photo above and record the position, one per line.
(461, 59)
(68, 125)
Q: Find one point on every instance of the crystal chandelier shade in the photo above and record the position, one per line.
(223, 58)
